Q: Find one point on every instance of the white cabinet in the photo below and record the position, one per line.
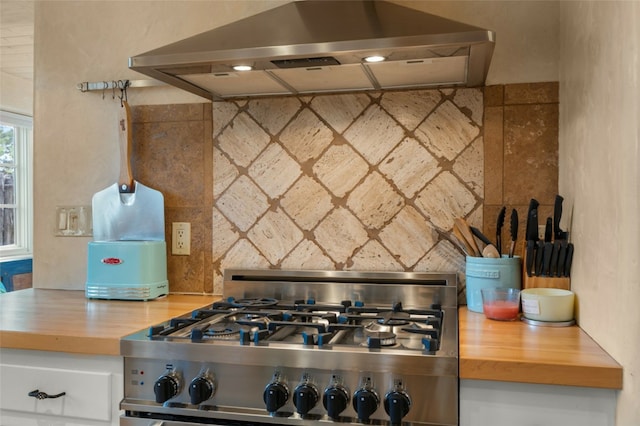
(94, 388)
(92, 385)
(492, 403)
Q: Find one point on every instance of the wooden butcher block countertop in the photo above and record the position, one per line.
(65, 321)
(513, 351)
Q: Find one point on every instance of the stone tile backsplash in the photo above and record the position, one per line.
(350, 181)
(521, 152)
(364, 181)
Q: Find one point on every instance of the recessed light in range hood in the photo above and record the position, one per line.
(320, 46)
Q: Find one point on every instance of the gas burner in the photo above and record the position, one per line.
(373, 326)
(259, 302)
(394, 318)
(394, 322)
(379, 339)
(222, 330)
(378, 335)
(257, 316)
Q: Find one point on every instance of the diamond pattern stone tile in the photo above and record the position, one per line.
(340, 110)
(471, 100)
(224, 235)
(274, 114)
(374, 134)
(348, 181)
(408, 236)
(447, 131)
(410, 107)
(306, 136)
(445, 199)
(470, 166)
(410, 166)
(243, 255)
(374, 257)
(223, 174)
(340, 169)
(275, 235)
(307, 202)
(475, 218)
(443, 257)
(340, 234)
(242, 203)
(307, 255)
(374, 201)
(274, 170)
(243, 140)
(223, 113)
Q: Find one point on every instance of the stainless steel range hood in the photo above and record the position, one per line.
(320, 46)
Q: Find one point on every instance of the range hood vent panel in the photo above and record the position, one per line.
(330, 36)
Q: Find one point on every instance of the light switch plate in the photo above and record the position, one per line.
(73, 221)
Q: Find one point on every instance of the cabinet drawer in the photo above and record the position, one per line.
(88, 394)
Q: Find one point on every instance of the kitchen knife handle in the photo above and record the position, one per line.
(548, 231)
(514, 231)
(531, 232)
(546, 261)
(567, 265)
(530, 256)
(499, 225)
(539, 258)
(562, 258)
(555, 254)
(557, 214)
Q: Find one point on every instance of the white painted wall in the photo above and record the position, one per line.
(16, 94)
(75, 136)
(526, 48)
(599, 174)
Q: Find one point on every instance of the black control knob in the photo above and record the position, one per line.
(166, 387)
(276, 394)
(335, 400)
(365, 402)
(201, 389)
(396, 404)
(305, 398)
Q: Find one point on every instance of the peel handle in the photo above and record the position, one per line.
(125, 137)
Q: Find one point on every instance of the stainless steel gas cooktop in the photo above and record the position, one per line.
(303, 347)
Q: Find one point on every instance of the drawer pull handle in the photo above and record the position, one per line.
(43, 395)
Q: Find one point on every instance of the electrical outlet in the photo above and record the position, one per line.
(181, 238)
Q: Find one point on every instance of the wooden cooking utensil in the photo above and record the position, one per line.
(465, 245)
(490, 251)
(465, 231)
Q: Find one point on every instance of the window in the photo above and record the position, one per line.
(16, 212)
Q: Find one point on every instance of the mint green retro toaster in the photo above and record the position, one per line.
(126, 270)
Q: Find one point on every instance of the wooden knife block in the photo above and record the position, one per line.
(533, 281)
